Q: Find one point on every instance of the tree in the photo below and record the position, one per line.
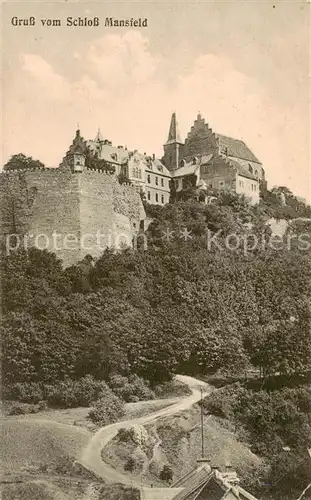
(166, 474)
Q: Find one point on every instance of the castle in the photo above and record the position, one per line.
(93, 199)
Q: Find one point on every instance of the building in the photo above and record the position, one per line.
(201, 483)
(212, 161)
(147, 173)
(77, 209)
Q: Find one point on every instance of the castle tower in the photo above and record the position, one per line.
(173, 148)
(78, 153)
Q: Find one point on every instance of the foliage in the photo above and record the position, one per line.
(24, 408)
(130, 464)
(277, 424)
(166, 474)
(107, 409)
(132, 388)
(118, 492)
(73, 393)
(22, 162)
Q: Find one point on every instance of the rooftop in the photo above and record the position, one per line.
(235, 148)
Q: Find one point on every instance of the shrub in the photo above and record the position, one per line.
(223, 401)
(166, 474)
(107, 409)
(131, 389)
(125, 435)
(26, 392)
(130, 464)
(72, 393)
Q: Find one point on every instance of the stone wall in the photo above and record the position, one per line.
(72, 214)
(217, 173)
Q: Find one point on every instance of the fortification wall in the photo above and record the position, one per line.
(46, 204)
(71, 214)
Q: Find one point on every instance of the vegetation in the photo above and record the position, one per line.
(277, 424)
(107, 409)
(22, 162)
(127, 323)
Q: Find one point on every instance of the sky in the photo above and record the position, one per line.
(244, 65)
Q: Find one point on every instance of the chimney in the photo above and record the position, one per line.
(153, 156)
(204, 462)
(215, 467)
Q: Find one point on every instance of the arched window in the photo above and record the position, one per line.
(250, 168)
(256, 173)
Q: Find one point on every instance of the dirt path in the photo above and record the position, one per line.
(91, 455)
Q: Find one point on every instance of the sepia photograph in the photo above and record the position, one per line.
(155, 250)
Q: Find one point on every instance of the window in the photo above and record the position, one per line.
(148, 195)
(148, 178)
(157, 197)
(255, 187)
(210, 185)
(221, 183)
(162, 182)
(162, 199)
(156, 181)
(241, 184)
(256, 173)
(250, 168)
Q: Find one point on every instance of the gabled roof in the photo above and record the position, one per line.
(235, 148)
(242, 170)
(216, 486)
(156, 166)
(190, 167)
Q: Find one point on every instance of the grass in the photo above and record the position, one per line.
(39, 444)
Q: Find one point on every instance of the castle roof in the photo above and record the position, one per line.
(99, 136)
(235, 148)
(173, 134)
(108, 152)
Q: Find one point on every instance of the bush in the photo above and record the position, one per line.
(131, 389)
(166, 474)
(223, 401)
(171, 389)
(125, 435)
(72, 393)
(23, 409)
(26, 392)
(130, 464)
(107, 409)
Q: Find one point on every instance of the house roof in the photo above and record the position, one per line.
(242, 170)
(235, 148)
(190, 167)
(213, 482)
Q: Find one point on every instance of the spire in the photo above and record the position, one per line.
(99, 136)
(173, 135)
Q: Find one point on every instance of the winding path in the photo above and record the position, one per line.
(91, 455)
